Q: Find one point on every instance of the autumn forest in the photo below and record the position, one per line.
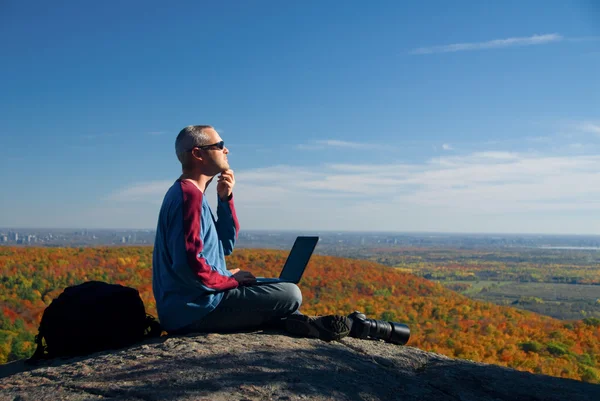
(441, 320)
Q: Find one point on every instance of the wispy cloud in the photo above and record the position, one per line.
(447, 146)
(330, 143)
(309, 146)
(479, 191)
(340, 144)
(539, 139)
(141, 192)
(491, 44)
(492, 155)
(460, 181)
(590, 127)
(482, 191)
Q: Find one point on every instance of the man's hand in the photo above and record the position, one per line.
(244, 278)
(225, 184)
(233, 271)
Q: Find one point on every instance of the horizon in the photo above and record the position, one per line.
(480, 118)
(304, 232)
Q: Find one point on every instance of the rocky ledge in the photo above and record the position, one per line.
(271, 366)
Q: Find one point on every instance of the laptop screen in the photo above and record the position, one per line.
(298, 258)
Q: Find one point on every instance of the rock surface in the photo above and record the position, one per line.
(271, 366)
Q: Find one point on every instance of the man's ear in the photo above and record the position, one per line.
(196, 153)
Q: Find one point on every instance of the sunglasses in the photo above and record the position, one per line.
(220, 145)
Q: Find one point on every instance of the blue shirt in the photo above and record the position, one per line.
(189, 273)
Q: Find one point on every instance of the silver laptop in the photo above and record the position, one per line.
(296, 262)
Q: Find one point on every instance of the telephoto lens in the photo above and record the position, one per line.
(391, 332)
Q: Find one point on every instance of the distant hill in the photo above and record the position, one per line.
(440, 320)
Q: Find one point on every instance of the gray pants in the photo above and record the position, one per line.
(250, 307)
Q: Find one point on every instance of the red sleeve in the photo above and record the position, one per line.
(192, 209)
(236, 223)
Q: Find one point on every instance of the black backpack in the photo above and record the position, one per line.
(90, 317)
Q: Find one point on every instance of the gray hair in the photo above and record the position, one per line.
(190, 136)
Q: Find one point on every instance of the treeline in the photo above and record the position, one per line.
(441, 320)
(530, 266)
(30, 278)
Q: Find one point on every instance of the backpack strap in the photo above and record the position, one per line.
(40, 351)
(153, 327)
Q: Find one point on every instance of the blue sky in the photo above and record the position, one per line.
(480, 117)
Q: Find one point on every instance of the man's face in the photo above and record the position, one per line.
(215, 159)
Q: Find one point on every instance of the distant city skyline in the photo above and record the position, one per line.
(389, 117)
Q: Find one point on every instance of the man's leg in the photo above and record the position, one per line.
(251, 307)
(269, 305)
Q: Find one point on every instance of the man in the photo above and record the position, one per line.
(194, 291)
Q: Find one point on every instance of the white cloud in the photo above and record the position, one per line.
(492, 44)
(590, 127)
(467, 193)
(371, 168)
(478, 192)
(447, 146)
(141, 192)
(304, 146)
(539, 139)
(330, 143)
(493, 155)
(340, 144)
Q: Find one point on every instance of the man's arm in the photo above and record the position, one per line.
(191, 208)
(227, 223)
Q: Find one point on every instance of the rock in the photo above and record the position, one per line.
(271, 366)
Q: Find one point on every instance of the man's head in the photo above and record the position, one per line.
(199, 147)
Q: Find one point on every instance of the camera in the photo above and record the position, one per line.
(391, 332)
